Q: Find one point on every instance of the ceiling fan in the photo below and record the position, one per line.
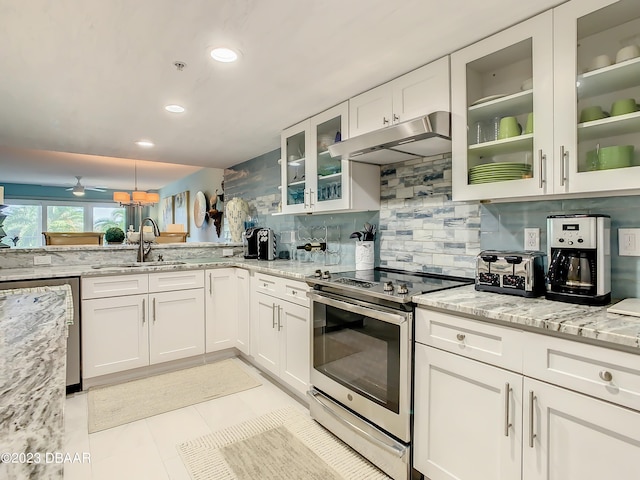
(78, 189)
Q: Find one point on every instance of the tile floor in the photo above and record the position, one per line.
(146, 449)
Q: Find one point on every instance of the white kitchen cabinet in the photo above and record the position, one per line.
(176, 325)
(243, 290)
(573, 436)
(227, 309)
(221, 309)
(422, 91)
(281, 331)
(488, 83)
(312, 180)
(121, 332)
(115, 334)
(468, 418)
(584, 29)
(465, 426)
(562, 155)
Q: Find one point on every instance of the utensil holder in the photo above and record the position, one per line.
(365, 254)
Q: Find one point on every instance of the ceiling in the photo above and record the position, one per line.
(92, 77)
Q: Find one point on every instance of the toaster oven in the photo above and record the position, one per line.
(511, 272)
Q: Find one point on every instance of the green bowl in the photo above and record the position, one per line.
(619, 156)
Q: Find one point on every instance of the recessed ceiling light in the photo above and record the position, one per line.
(144, 143)
(223, 54)
(174, 108)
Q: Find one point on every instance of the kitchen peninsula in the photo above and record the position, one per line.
(32, 380)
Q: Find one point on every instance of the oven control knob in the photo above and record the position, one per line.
(561, 240)
(403, 289)
(318, 273)
(388, 287)
(326, 275)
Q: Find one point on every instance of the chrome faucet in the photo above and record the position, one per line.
(142, 252)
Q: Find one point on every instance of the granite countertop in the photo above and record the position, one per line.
(283, 268)
(33, 352)
(579, 321)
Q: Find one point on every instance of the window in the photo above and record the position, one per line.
(27, 219)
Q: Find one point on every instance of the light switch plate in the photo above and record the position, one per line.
(629, 242)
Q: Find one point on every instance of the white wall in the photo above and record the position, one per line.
(206, 181)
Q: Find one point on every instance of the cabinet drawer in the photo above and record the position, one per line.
(294, 291)
(597, 371)
(266, 283)
(114, 286)
(182, 280)
(493, 344)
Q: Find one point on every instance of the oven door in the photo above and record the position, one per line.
(361, 358)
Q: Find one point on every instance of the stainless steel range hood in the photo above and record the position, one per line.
(420, 137)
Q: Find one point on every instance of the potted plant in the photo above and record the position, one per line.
(114, 235)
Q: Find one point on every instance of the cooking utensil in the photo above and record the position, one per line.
(357, 235)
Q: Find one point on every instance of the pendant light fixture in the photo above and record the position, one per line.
(137, 197)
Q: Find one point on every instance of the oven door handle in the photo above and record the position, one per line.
(396, 450)
(384, 316)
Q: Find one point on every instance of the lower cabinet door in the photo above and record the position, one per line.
(572, 436)
(266, 344)
(176, 325)
(467, 418)
(221, 309)
(295, 337)
(114, 334)
(243, 306)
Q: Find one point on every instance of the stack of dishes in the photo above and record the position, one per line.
(499, 172)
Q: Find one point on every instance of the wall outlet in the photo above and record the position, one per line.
(629, 242)
(532, 239)
(42, 260)
(227, 252)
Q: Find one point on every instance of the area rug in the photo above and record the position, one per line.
(285, 444)
(115, 405)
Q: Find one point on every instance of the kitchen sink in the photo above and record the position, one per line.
(137, 264)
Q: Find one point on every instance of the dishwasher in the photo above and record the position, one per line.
(73, 340)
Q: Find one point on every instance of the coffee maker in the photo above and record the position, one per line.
(250, 242)
(579, 248)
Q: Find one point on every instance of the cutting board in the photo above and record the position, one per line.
(628, 306)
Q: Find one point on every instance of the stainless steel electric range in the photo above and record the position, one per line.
(362, 359)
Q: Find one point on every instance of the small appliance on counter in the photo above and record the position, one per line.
(511, 272)
(580, 259)
(250, 242)
(267, 248)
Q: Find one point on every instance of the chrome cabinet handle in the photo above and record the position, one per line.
(311, 202)
(273, 316)
(210, 283)
(305, 191)
(461, 336)
(154, 310)
(279, 318)
(543, 159)
(293, 292)
(564, 154)
(395, 117)
(532, 398)
(265, 285)
(144, 308)
(606, 375)
(507, 394)
(385, 120)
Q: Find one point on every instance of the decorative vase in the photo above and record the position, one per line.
(236, 212)
(365, 254)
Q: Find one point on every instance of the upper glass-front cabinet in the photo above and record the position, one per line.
(502, 102)
(550, 106)
(294, 168)
(597, 90)
(312, 180)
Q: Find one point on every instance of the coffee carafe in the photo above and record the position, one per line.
(580, 259)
